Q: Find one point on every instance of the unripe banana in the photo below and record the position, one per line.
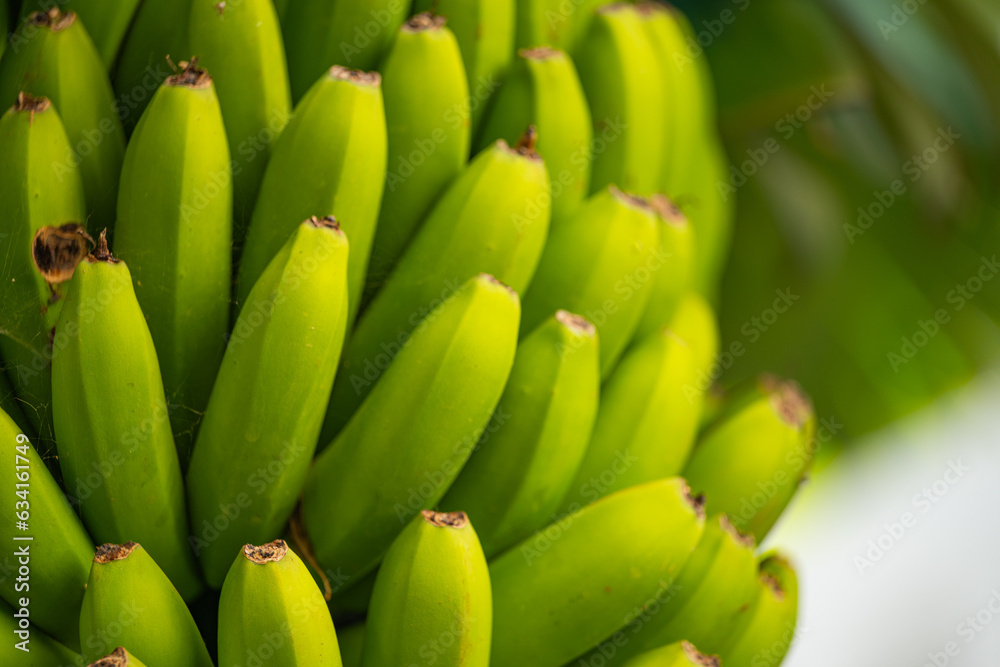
(554, 22)
(323, 168)
(26, 646)
(52, 539)
(543, 90)
(708, 603)
(271, 611)
(769, 628)
(423, 82)
(681, 654)
(405, 445)
(432, 597)
(520, 472)
(600, 264)
(129, 592)
(351, 640)
(118, 658)
(677, 245)
(711, 214)
(351, 33)
(176, 238)
(52, 56)
(159, 30)
(111, 418)
(240, 44)
(494, 219)
(36, 194)
(485, 30)
(623, 83)
(571, 585)
(260, 430)
(750, 461)
(645, 426)
(694, 321)
(106, 22)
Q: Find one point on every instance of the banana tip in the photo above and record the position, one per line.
(668, 211)
(272, 552)
(696, 503)
(576, 323)
(101, 252)
(746, 540)
(446, 519)
(30, 103)
(107, 553)
(54, 19)
(539, 53)
(357, 76)
(189, 76)
(326, 222)
(117, 658)
(425, 21)
(698, 658)
(629, 199)
(789, 400)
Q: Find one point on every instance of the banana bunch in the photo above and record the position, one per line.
(386, 338)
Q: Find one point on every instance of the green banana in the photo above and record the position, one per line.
(599, 264)
(677, 244)
(118, 658)
(694, 321)
(323, 168)
(518, 475)
(750, 460)
(263, 419)
(681, 654)
(571, 585)
(625, 89)
(485, 30)
(352, 33)
(411, 436)
(36, 194)
(554, 22)
(543, 89)
(106, 22)
(711, 214)
(271, 611)
(131, 602)
(158, 31)
(709, 601)
(111, 418)
(494, 219)
(240, 43)
(52, 56)
(769, 629)
(432, 600)
(423, 82)
(645, 426)
(52, 540)
(351, 639)
(26, 646)
(176, 238)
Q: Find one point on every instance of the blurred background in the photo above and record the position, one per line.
(863, 145)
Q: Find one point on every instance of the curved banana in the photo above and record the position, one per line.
(351, 33)
(432, 597)
(485, 30)
(576, 582)
(600, 264)
(158, 30)
(59, 549)
(323, 168)
(681, 654)
(106, 22)
(405, 445)
(769, 628)
(240, 44)
(694, 321)
(543, 89)
(33, 142)
(131, 602)
(271, 611)
(118, 658)
(625, 89)
(352, 639)
(514, 482)
(260, 430)
(554, 22)
(175, 232)
(28, 647)
(52, 56)
(750, 460)
(494, 219)
(677, 245)
(709, 601)
(112, 420)
(423, 81)
(645, 426)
